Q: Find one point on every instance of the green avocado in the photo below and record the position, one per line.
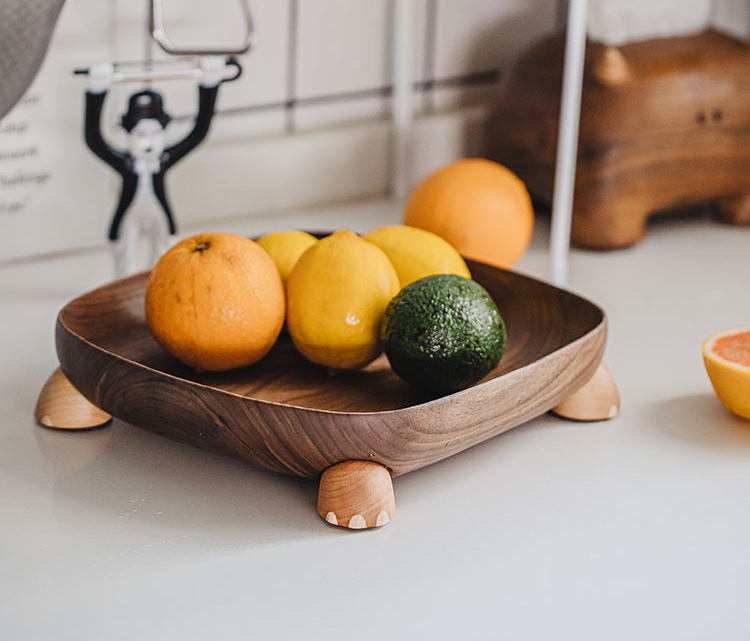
(443, 333)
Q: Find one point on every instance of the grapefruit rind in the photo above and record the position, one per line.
(730, 380)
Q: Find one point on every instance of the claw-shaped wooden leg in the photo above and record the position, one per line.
(735, 209)
(603, 220)
(597, 400)
(357, 495)
(62, 406)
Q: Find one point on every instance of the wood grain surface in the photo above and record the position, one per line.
(664, 124)
(596, 400)
(60, 405)
(357, 495)
(288, 415)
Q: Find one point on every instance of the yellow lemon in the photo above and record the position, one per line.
(337, 294)
(727, 359)
(416, 253)
(285, 248)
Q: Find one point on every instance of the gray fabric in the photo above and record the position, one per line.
(25, 30)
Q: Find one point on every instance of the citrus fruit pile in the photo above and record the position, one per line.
(219, 301)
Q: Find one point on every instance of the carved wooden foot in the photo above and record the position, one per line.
(357, 495)
(597, 400)
(600, 222)
(734, 209)
(62, 406)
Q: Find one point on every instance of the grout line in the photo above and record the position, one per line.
(389, 9)
(68, 252)
(401, 29)
(148, 42)
(112, 28)
(430, 49)
(291, 66)
(469, 80)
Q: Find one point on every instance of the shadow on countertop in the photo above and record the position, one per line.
(701, 419)
(131, 478)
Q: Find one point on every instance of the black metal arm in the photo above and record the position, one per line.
(118, 160)
(206, 104)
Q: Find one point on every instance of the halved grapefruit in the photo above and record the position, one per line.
(727, 358)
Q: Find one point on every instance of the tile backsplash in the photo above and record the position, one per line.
(307, 123)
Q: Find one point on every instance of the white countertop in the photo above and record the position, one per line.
(636, 528)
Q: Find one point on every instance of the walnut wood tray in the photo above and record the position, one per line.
(290, 416)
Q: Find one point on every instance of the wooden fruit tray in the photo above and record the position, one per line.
(357, 429)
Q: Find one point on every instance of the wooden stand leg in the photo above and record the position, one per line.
(604, 220)
(357, 495)
(597, 400)
(62, 406)
(735, 209)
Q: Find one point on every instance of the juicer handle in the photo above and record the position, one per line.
(159, 33)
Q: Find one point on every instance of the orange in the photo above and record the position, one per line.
(215, 301)
(726, 356)
(480, 207)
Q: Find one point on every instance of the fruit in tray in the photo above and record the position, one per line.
(215, 301)
(337, 293)
(416, 253)
(219, 301)
(727, 359)
(480, 207)
(443, 333)
(285, 248)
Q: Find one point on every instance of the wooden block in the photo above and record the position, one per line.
(664, 124)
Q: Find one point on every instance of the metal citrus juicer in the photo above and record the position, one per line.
(143, 206)
(25, 30)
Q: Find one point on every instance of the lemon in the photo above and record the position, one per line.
(727, 359)
(285, 248)
(337, 294)
(416, 253)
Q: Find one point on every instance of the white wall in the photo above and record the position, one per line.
(330, 58)
(306, 124)
(616, 22)
(732, 17)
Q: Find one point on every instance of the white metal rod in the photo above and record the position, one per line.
(402, 105)
(154, 74)
(155, 71)
(148, 47)
(567, 142)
